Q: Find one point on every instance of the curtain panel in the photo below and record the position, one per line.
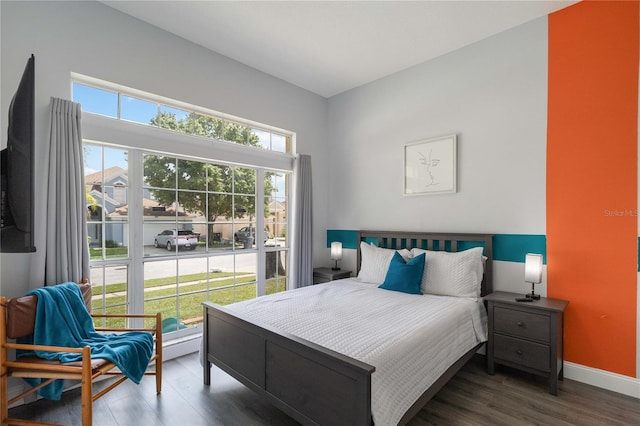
(302, 250)
(65, 253)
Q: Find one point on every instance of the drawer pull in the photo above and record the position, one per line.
(520, 323)
(519, 352)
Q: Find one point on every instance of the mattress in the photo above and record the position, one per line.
(410, 339)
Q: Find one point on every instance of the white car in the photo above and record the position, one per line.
(183, 239)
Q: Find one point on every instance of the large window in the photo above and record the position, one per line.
(168, 231)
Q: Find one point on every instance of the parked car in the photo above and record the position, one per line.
(183, 239)
(243, 233)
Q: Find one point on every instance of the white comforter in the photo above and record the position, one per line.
(410, 339)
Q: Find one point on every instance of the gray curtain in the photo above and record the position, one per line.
(302, 268)
(66, 250)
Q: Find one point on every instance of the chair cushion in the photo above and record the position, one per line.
(21, 312)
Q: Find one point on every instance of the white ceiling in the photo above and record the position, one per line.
(328, 47)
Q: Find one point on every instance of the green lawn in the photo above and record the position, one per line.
(193, 289)
(96, 253)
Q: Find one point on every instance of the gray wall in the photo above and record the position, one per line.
(92, 39)
(493, 95)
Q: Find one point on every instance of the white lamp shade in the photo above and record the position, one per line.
(533, 268)
(336, 250)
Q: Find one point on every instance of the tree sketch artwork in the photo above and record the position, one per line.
(430, 166)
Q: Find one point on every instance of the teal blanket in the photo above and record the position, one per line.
(63, 320)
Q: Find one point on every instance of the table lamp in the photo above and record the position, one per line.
(533, 273)
(336, 253)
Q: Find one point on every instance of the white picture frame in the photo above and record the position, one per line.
(430, 166)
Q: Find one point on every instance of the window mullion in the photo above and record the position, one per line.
(136, 224)
(259, 235)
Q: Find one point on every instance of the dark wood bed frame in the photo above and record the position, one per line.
(313, 384)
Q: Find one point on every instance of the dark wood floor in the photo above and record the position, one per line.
(471, 398)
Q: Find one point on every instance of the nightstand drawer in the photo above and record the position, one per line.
(522, 352)
(521, 324)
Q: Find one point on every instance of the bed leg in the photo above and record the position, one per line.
(206, 365)
(207, 373)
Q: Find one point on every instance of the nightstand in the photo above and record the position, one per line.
(528, 336)
(324, 275)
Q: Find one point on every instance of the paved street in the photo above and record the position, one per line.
(186, 263)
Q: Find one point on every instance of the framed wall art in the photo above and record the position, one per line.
(430, 166)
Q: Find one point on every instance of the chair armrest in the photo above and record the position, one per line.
(150, 330)
(123, 315)
(44, 348)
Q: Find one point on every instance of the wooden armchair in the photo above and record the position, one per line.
(17, 317)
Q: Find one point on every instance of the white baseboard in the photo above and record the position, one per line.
(603, 379)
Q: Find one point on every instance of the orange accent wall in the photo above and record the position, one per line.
(592, 144)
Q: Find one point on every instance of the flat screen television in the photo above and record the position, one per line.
(17, 168)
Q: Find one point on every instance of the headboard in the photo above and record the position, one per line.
(451, 242)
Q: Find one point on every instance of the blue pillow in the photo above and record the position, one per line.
(404, 276)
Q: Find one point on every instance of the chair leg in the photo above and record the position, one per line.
(158, 375)
(159, 352)
(4, 374)
(4, 405)
(87, 388)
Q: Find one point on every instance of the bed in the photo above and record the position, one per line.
(352, 370)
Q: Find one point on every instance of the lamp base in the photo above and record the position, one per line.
(533, 295)
(335, 268)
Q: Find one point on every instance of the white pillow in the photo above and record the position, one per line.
(452, 274)
(375, 262)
